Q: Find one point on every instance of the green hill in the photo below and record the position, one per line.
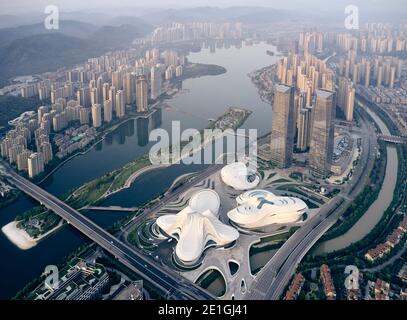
(11, 107)
(41, 53)
(32, 49)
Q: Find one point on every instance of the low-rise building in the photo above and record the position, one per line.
(133, 291)
(403, 273)
(295, 287)
(391, 241)
(82, 281)
(326, 278)
(381, 290)
(378, 252)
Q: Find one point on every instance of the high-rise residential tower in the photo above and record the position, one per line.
(94, 96)
(84, 115)
(83, 97)
(346, 98)
(282, 127)
(35, 164)
(129, 86)
(304, 128)
(97, 115)
(155, 82)
(322, 141)
(46, 151)
(112, 97)
(120, 106)
(105, 91)
(141, 94)
(107, 110)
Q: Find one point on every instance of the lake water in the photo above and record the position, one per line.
(201, 99)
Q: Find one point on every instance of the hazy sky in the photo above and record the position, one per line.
(18, 6)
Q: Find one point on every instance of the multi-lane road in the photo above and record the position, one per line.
(169, 197)
(169, 282)
(275, 275)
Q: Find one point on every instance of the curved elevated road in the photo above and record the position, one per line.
(173, 285)
(275, 275)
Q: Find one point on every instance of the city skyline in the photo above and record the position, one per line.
(224, 152)
(100, 5)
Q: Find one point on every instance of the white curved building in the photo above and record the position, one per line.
(260, 208)
(197, 227)
(238, 176)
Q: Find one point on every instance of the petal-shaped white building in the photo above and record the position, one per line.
(261, 208)
(238, 176)
(197, 227)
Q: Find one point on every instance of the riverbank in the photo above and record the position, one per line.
(191, 71)
(86, 195)
(21, 238)
(199, 100)
(130, 180)
(232, 119)
(264, 80)
(99, 139)
(354, 253)
(113, 182)
(9, 198)
(18, 237)
(195, 70)
(376, 210)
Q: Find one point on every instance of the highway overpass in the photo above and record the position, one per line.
(392, 139)
(168, 281)
(111, 208)
(272, 279)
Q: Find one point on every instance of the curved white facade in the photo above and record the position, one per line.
(260, 208)
(197, 227)
(239, 177)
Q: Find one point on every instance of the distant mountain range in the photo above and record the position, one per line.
(131, 26)
(43, 52)
(66, 27)
(31, 48)
(242, 14)
(34, 49)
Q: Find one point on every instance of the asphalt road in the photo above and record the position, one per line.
(272, 279)
(275, 275)
(170, 197)
(173, 285)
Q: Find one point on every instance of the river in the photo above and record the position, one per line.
(375, 212)
(201, 98)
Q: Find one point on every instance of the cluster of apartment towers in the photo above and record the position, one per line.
(306, 98)
(98, 102)
(304, 106)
